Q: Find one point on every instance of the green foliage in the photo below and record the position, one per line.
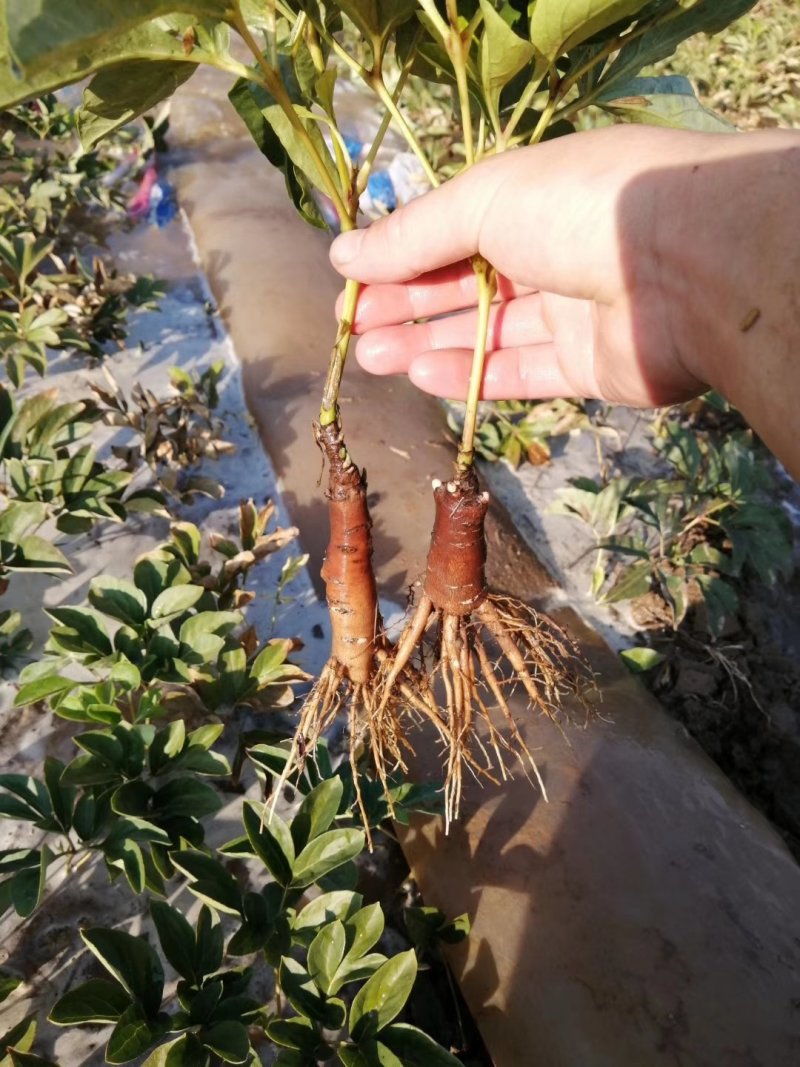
(509, 64)
(519, 431)
(49, 297)
(691, 535)
(21, 549)
(319, 949)
(166, 635)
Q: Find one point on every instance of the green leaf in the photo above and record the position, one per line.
(208, 622)
(324, 854)
(559, 25)
(502, 53)
(267, 664)
(17, 518)
(229, 1040)
(364, 930)
(249, 100)
(721, 602)
(296, 1032)
(383, 996)
(176, 937)
(177, 1053)
(305, 997)
(36, 554)
(81, 631)
(95, 1001)
(414, 1048)
(132, 961)
(209, 943)
(641, 659)
(665, 101)
(116, 96)
(27, 886)
(20, 1036)
(634, 581)
(272, 842)
(119, 599)
(324, 909)
(175, 601)
(187, 796)
(31, 792)
(8, 983)
(28, 1059)
(43, 33)
(325, 954)
(377, 18)
(209, 880)
(357, 970)
(676, 591)
(131, 1037)
(317, 812)
(62, 798)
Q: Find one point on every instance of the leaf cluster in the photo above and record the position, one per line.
(693, 535)
(171, 433)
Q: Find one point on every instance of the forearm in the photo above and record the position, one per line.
(730, 246)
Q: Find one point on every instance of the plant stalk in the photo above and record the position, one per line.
(329, 410)
(487, 288)
(379, 86)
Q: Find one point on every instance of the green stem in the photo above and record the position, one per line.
(273, 83)
(366, 167)
(379, 86)
(522, 106)
(544, 120)
(458, 49)
(329, 410)
(438, 23)
(487, 287)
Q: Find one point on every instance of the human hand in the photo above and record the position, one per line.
(572, 227)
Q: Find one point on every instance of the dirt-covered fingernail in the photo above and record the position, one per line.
(346, 247)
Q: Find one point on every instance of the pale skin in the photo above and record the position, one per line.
(637, 265)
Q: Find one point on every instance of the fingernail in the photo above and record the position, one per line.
(346, 247)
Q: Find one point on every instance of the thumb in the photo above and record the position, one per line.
(437, 229)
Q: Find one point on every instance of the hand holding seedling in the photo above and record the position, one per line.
(630, 261)
(586, 267)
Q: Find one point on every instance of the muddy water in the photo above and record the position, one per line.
(646, 915)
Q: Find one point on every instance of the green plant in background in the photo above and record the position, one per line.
(49, 296)
(520, 431)
(39, 464)
(690, 535)
(174, 628)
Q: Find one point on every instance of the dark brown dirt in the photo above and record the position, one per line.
(740, 696)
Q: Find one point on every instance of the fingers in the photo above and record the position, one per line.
(435, 293)
(391, 349)
(531, 372)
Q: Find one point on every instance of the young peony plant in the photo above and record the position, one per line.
(518, 72)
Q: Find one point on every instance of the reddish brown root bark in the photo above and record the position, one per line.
(347, 568)
(348, 684)
(528, 651)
